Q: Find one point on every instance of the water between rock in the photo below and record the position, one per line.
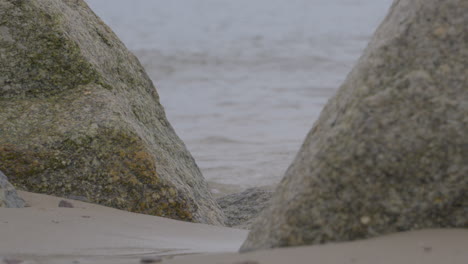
(243, 81)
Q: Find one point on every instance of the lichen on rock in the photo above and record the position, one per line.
(80, 117)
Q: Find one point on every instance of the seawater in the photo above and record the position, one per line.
(243, 81)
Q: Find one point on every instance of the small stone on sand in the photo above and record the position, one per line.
(427, 249)
(155, 259)
(66, 204)
(12, 261)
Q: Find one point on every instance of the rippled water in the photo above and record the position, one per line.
(243, 81)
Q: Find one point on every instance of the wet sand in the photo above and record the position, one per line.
(91, 233)
(87, 233)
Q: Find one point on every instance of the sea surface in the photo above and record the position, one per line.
(242, 81)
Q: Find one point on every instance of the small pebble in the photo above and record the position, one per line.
(66, 204)
(248, 262)
(12, 261)
(151, 259)
(427, 249)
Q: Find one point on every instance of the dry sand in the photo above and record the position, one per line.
(87, 233)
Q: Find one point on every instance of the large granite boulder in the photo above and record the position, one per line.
(390, 150)
(80, 117)
(8, 196)
(241, 209)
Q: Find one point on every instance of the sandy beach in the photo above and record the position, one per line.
(88, 233)
(242, 82)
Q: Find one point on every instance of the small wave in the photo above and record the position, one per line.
(220, 140)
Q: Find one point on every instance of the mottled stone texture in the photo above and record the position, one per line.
(390, 150)
(241, 209)
(80, 117)
(8, 196)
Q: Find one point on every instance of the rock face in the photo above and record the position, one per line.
(241, 209)
(390, 150)
(80, 117)
(8, 196)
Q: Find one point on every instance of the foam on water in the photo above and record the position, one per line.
(243, 81)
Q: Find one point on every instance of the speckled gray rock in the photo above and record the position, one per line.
(80, 117)
(242, 208)
(390, 150)
(8, 196)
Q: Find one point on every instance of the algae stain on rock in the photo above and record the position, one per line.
(46, 61)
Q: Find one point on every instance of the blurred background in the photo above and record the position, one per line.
(242, 81)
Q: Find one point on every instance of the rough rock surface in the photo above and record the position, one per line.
(390, 150)
(80, 117)
(8, 196)
(242, 208)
